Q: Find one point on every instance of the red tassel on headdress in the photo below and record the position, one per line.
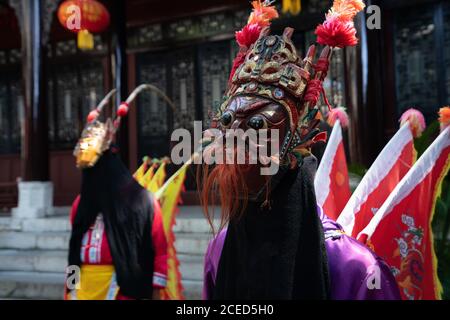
(336, 33)
(262, 14)
(248, 35)
(240, 58)
(338, 30)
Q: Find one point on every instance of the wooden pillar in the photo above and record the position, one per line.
(119, 47)
(35, 189)
(390, 113)
(35, 152)
(133, 147)
(369, 73)
(353, 100)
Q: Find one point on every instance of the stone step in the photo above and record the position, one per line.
(63, 212)
(191, 266)
(186, 243)
(33, 260)
(191, 243)
(192, 289)
(191, 225)
(34, 240)
(189, 220)
(45, 285)
(31, 285)
(8, 224)
(35, 225)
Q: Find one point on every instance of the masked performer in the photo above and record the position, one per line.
(117, 236)
(278, 244)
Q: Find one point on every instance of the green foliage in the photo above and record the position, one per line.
(444, 266)
(357, 169)
(430, 133)
(441, 228)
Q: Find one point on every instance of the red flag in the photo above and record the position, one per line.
(389, 168)
(401, 233)
(331, 182)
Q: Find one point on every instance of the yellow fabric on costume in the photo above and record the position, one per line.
(97, 282)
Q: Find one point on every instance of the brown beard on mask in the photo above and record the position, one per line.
(230, 184)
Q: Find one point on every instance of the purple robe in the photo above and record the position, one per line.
(356, 273)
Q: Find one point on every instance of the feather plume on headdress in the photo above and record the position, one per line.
(338, 29)
(263, 13)
(261, 16)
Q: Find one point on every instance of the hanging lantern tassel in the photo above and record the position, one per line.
(85, 40)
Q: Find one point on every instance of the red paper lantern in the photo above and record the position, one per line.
(84, 17)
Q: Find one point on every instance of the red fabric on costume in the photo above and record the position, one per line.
(91, 254)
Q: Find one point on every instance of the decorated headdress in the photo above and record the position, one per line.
(97, 136)
(268, 66)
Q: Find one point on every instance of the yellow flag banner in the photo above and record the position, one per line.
(169, 198)
(158, 179)
(148, 176)
(139, 174)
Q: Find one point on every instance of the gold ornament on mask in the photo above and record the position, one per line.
(96, 137)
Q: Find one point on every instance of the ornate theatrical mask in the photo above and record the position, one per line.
(267, 89)
(248, 112)
(253, 112)
(95, 139)
(258, 113)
